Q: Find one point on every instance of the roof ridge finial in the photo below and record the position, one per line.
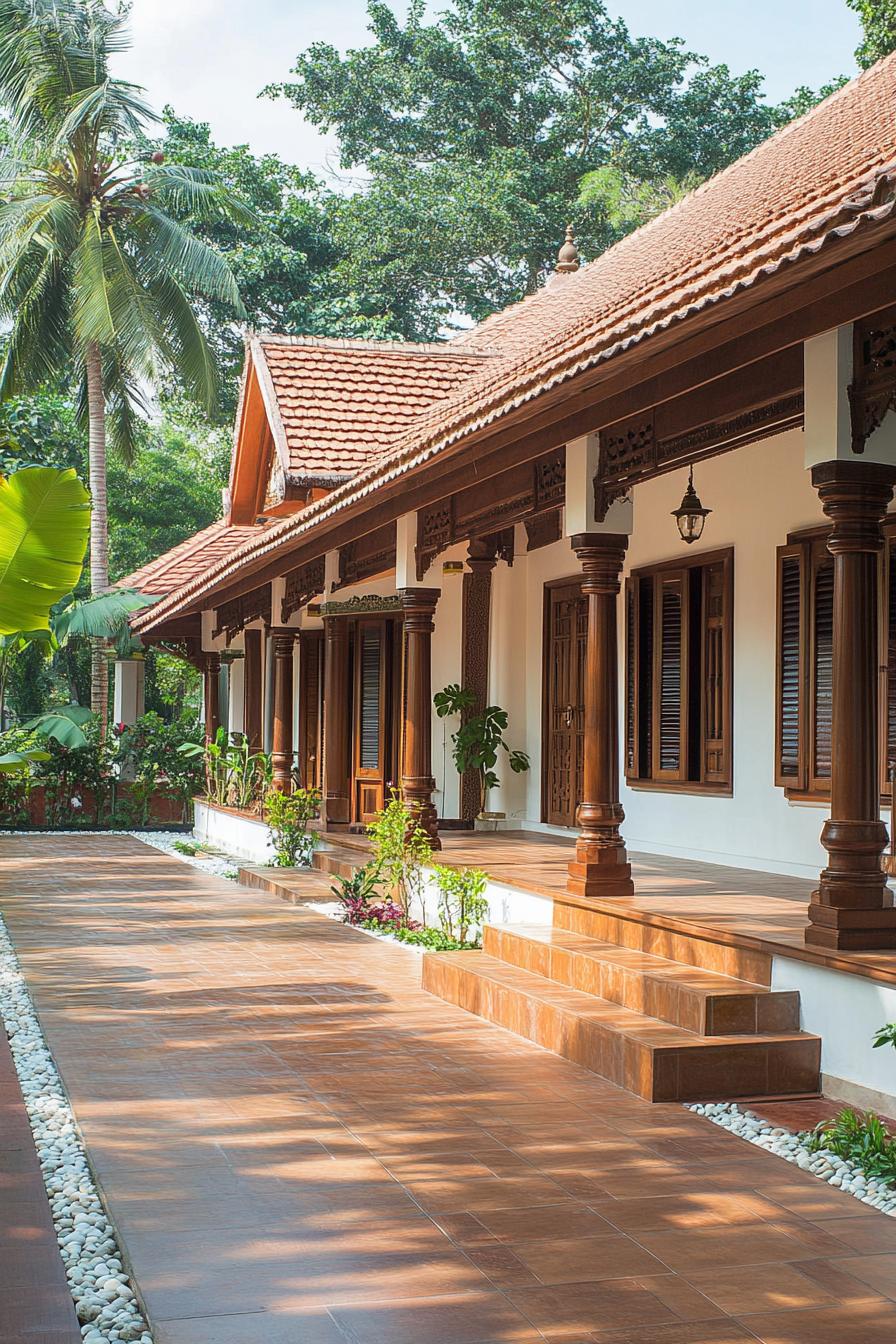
(568, 256)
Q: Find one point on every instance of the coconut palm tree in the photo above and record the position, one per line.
(99, 280)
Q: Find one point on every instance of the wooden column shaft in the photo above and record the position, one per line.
(475, 631)
(337, 809)
(253, 688)
(417, 783)
(852, 907)
(281, 741)
(212, 694)
(601, 866)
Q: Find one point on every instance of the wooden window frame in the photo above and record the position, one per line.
(642, 758)
(807, 543)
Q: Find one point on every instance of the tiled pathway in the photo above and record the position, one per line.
(299, 1146)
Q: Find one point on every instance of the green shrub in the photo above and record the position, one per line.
(462, 902)
(400, 849)
(862, 1139)
(434, 940)
(288, 815)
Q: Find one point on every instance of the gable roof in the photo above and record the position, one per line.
(817, 181)
(336, 406)
(188, 560)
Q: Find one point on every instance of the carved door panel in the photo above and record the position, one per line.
(371, 699)
(566, 614)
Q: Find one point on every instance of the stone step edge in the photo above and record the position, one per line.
(549, 991)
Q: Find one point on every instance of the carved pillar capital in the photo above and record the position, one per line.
(283, 642)
(855, 496)
(419, 608)
(602, 556)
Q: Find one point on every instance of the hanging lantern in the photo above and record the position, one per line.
(690, 513)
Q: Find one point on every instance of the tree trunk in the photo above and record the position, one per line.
(99, 525)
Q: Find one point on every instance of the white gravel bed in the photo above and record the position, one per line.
(784, 1143)
(104, 1298)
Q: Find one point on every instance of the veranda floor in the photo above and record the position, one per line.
(300, 1146)
(739, 905)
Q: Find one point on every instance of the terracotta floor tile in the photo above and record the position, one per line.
(586, 1259)
(870, 1323)
(482, 1318)
(878, 1271)
(741, 1289)
(303, 1147)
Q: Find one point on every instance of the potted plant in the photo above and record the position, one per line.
(479, 741)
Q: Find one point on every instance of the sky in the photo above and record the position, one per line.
(210, 58)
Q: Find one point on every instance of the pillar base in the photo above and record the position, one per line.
(599, 872)
(425, 813)
(850, 930)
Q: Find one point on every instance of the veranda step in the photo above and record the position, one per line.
(704, 1002)
(337, 862)
(653, 1059)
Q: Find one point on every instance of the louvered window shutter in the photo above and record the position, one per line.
(370, 694)
(670, 686)
(790, 728)
(631, 679)
(714, 744)
(821, 589)
(888, 690)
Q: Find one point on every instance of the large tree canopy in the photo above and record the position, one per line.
(878, 29)
(283, 257)
(477, 129)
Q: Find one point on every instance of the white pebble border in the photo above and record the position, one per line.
(784, 1143)
(104, 1299)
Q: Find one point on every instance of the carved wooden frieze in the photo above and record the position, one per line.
(634, 451)
(873, 390)
(301, 586)
(435, 533)
(542, 530)
(371, 604)
(488, 507)
(232, 616)
(367, 556)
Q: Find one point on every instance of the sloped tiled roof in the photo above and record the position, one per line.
(189, 560)
(343, 404)
(814, 183)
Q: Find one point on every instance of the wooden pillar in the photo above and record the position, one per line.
(852, 907)
(337, 803)
(417, 783)
(600, 867)
(253, 688)
(281, 744)
(212, 694)
(481, 560)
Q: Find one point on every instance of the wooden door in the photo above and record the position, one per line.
(372, 740)
(311, 680)
(566, 618)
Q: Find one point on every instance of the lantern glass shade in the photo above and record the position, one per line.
(690, 514)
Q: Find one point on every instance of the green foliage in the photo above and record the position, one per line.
(475, 127)
(185, 847)
(434, 940)
(359, 888)
(235, 776)
(110, 269)
(627, 202)
(462, 901)
(400, 849)
(860, 1138)
(288, 815)
(64, 725)
(282, 259)
(878, 29)
(479, 739)
(44, 526)
(885, 1035)
(149, 753)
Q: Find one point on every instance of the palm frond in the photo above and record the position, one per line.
(188, 350)
(110, 107)
(167, 247)
(102, 616)
(91, 309)
(198, 192)
(39, 343)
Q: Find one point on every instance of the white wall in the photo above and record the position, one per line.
(757, 495)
